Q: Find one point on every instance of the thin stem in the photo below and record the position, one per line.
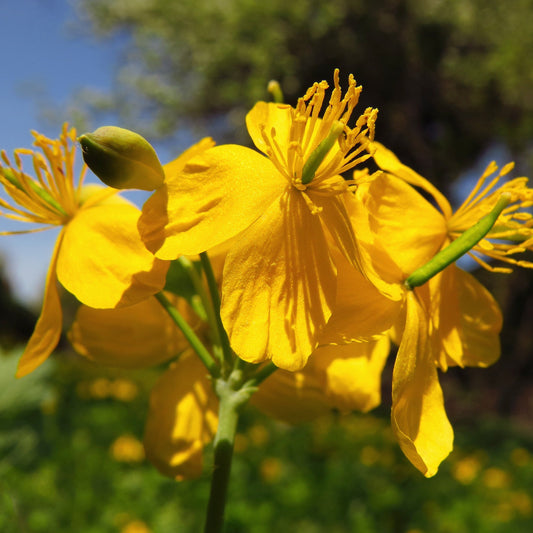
(232, 399)
(215, 299)
(194, 341)
(207, 304)
(262, 374)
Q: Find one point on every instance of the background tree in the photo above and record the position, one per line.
(448, 77)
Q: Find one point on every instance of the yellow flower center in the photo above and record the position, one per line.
(513, 231)
(308, 130)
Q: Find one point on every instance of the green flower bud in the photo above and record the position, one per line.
(122, 158)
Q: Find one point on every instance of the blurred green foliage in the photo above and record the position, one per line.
(70, 461)
(449, 76)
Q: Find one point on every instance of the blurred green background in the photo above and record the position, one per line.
(72, 460)
(453, 82)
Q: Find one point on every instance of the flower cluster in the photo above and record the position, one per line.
(314, 257)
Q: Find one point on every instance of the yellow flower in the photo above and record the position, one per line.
(452, 319)
(279, 283)
(98, 255)
(183, 406)
(127, 449)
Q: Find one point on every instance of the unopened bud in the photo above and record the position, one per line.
(122, 158)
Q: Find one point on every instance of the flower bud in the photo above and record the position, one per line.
(122, 159)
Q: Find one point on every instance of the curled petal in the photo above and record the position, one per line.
(182, 419)
(279, 286)
(47, 331)
(419, 420)
(103, 261)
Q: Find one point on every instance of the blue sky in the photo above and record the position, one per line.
(43, 58)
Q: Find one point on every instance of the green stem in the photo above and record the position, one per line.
(194, 341)
(262, 374)
(215, 299)
(232, 399)
(460, 246)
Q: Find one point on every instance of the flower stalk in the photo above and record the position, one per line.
(232, 396)
(194, 341)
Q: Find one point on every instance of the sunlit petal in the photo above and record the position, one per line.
(387, 161)
(182, 419)
(409, 228)
(47, 331)
(213, 198)
(351, 374)
(419, 420)
(103, 261)
(279, 285)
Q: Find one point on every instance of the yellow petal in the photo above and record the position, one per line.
(279, 285)
(269, 115)
(351, 374)
(469, 319)
(47, 331)
(137, 336)
(387, 161)
(376, 263)
(182, 419)
(409, 228)
(214, 197)
(361, 311)
(292, 397)
(419, 420)
(103, 261)
(336, 220)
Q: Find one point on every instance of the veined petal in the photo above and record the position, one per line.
(419, 420)
(409, 228)
(213, 198)
(137, 336)
(361, 310)
(387, 161)
(336, 220)
(351, 374)
(279, 285)
(103, 261)
(182, 419)
(47, 331)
